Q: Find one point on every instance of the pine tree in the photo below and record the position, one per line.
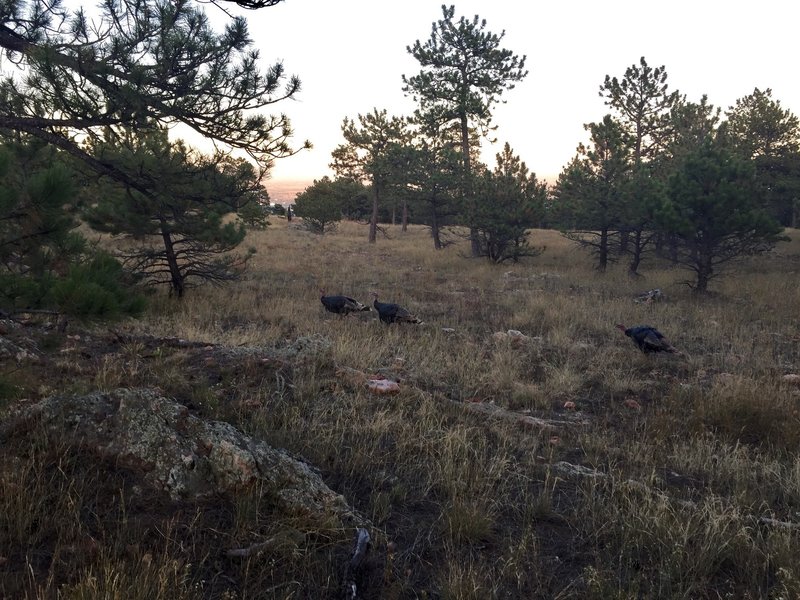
(434, 179)
(464, 73)
(320, 206)
(144, 64)
(590, 191)
(642, 103)
(758, 127)
(716, 217)
(179, 223)
(44, 263)
(512, 203)
(372, 154)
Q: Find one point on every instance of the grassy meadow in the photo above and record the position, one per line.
(646, 476)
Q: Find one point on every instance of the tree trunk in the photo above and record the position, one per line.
(624, 237)
(704, 273)
(435, 234)
(394, 214)
(405, 215)
(603, 251)
(475, 246)
(373, 222)
(176, 277)
(636, 256)
(673, 248)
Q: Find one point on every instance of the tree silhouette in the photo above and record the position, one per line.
(142, 63)
(714, 213)
(179, 229)
(371, 154)
(464, 73)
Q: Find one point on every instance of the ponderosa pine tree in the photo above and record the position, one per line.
(179, 224)
(434, 179)
(691, 125)
(371, 154)
(45, 264)
(319, 206)
(714, 212)
(512, 202)
(758, 127)
(143, 63)
(590, 191)
(642, 105)
(464, 73)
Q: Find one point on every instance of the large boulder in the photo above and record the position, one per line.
(177, 451)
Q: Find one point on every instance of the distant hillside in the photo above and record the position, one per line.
(285, 191)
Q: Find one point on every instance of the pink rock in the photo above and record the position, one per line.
(383, 386)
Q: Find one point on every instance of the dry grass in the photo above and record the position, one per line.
(474, 507)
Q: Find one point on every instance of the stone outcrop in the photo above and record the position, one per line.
(176, 451)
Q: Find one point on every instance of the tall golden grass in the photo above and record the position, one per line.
(691, 478)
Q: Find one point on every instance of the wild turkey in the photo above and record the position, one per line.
(648, 339)
(392, 313)
(341, 305)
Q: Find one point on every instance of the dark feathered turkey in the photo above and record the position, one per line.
(392, 313)
(648, 339)
(341, 305)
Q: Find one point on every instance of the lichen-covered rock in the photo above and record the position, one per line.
(177, 451)
(10, 350)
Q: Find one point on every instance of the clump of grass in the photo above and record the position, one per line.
(751, 412)
(10, 388)
(143, 579)
(664, 548)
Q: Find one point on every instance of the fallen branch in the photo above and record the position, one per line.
(523, 420)
(779, 524)
(170, 342)
(252, 549)
(356, 563)
(362, 545)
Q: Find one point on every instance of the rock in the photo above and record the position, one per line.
(569, 405)
(383, 386)
(7, 326)
(9, 349)
(305, 347)
(650, 296)
(176, 451)
(578, 470)
(516, 338)
(791, 379)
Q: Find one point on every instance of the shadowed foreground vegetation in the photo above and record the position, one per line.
(690, 478)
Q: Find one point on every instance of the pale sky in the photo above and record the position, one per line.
(351, 54)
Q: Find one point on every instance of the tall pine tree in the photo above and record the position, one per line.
(464, 73)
